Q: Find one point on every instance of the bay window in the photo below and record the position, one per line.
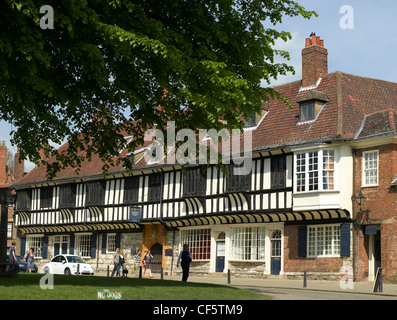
(315, 171)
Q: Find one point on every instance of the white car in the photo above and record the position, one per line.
(68, 264)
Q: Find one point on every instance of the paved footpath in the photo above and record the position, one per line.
(362, 287)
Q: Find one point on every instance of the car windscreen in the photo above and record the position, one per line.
(75, 259)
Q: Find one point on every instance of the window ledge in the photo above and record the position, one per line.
(315, 192)
(323, 256)
(247, 261)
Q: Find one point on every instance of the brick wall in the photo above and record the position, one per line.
(382, 201)
(319, 267)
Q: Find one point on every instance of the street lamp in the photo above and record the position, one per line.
(360, 200)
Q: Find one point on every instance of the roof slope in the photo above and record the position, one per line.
(347, 100)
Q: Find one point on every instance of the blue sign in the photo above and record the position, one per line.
(135, 214)
(371, 229)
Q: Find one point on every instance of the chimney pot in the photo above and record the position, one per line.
(314, 61)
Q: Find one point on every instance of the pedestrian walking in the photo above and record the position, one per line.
(185, 257)
(116, 265)
(137, 263)
(11, 255)
(29, 259)
(121, 263)
(147, 264)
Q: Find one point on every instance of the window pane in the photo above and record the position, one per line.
(313, 171)
(84, 245)
(324, 240)
(371, 168)
(111, 242)
(320, 241)
(248, 244)
(328, 169)
(36, 243)
(312, 241)
(199, 243)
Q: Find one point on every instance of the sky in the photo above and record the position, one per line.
(361, 41)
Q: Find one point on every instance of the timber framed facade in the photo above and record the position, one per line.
(292, 213)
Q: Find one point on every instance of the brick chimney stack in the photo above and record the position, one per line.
(3, 162)
(314, 61)
(19, 166)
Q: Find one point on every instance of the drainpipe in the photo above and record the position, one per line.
(356, 228)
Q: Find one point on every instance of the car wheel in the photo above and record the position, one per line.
(67, 272)
(46, 270)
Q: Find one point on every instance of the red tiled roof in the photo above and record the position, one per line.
(349, 97)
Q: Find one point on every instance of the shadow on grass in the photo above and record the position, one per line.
(34, 279)
(27, 287)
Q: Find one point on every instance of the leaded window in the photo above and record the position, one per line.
(248, 243)
(324, 240)
(199, 241)
(194, 182)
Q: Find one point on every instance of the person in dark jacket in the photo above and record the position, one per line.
(186, 257)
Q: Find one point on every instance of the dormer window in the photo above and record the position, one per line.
(310, 105)
(307, 112)
(254, 120)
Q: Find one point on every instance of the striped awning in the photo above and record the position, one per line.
(92, 227)
(304, 216)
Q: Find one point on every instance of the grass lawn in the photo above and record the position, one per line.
(27, 287)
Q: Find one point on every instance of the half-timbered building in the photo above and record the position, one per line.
(292, 213)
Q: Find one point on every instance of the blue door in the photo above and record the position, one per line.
(275, 262)
(220, 256)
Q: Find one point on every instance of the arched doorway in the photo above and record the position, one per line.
(157, 261)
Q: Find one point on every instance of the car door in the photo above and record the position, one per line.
(56, 264)
(62, 264)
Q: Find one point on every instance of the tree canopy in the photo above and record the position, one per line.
(107, 64)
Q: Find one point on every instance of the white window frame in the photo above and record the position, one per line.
(248, 243)
(35, 242)
(314, 171)
(194, 238)
(10, 227)
(319, 243)
(364, 169)
(108, 244)
(78, 239)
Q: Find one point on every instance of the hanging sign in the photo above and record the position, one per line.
(135, 214)
(371, 230)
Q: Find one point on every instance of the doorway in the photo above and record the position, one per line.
(157, 261)
(275, 263)
(220, 253)
(375, 255)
